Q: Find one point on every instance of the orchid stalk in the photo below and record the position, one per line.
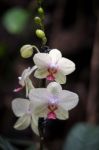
(51, 102)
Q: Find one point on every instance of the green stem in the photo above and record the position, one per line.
(42, 26)
(41, 143)
(35, 47)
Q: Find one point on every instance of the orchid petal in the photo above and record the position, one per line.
(23, 77)
(55, 55)
(60, 78)
(41, 111)
(41, 73)
(20, 106)
(25, 73)
(21, 82)
(61, 113)
(29, 86)
(66, 66)
(34, 125)
(39, 96)
(42, 60)
(32, 69)
(54, 88)
(23, 122)
(38, 112)
(68, 100)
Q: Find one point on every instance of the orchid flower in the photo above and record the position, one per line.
(23, 108)
(25, 81)
(52, 102)
(53, 66)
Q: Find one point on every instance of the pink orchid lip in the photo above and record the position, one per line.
(51, 115)
(18, 89)
(52, 71)
(50, 78)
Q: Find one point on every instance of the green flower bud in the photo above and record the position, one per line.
(37, 20)
(41, 11)
(26, 51)
(40, 34)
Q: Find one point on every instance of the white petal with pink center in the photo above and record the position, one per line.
(52, 102)
(53, 66)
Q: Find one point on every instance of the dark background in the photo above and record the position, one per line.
(72, 26)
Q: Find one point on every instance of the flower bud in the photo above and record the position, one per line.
(26, 51)
(41, 11)
(37, 20)
(40, 34)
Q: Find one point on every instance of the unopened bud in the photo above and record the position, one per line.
(41, 11)
(37, 20)
(26, 51)
(40, 34)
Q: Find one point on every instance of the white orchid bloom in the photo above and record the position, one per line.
(25, 81)
(23, 108)
(52, 102)
(53, 66)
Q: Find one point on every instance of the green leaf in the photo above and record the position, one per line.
(5, 145)
(83, 137)
(32, 147)
(15, 20)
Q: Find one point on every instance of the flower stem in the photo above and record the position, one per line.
(35, 47)
(41, 143)
(41, 132)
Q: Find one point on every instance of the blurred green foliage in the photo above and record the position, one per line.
(5, 145)
(15, 20)
(83, 137)
(3, 50)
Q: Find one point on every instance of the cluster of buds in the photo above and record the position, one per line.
(39, 21)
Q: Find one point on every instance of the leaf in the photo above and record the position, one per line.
(32, 147)
(5, 145)
(15, 20)
(83, 137)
